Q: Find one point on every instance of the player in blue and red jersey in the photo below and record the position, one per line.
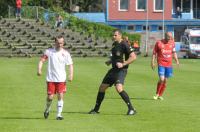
(164, 51)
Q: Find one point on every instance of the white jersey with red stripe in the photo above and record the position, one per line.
(57, 61)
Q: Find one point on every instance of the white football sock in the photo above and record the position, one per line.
(59, 108)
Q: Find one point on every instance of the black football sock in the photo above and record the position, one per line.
(126, 99)
(100, 98)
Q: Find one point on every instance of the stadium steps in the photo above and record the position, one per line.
(28, 37)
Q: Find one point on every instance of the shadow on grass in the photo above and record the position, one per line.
(74, 112)
(86, 113)
(66, 112)
(22, 118)
(142, 98)
(115, 114)
(131, 98)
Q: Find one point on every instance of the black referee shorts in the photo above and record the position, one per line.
(115, 76)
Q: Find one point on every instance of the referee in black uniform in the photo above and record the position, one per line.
(122, 56)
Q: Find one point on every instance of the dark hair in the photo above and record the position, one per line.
(118, 30)
(58, 37)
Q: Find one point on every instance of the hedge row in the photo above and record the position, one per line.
(97, 29)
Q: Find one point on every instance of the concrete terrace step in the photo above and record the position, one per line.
(28, 37)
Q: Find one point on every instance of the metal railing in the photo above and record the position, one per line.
(34, 12)
(26, 12)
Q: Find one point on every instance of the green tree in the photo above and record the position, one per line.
(67, 5)
(4, 6)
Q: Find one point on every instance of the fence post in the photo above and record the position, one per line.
(8, 11)
(36, 12)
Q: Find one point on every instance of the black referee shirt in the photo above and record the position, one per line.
(120, 53)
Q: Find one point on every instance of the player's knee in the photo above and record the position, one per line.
(162, 80)
(119, 88)
(103, 87)
(50, 97)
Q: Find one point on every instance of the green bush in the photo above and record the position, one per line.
(99, 30)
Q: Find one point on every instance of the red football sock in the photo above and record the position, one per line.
(162, 89)
(159, 87)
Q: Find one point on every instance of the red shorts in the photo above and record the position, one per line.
(56, 87)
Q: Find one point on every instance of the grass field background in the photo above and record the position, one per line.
(22, 99)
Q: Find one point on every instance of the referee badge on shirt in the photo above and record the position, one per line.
(117, 53)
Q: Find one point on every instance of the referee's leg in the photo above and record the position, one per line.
(125, 97)
(99, 99)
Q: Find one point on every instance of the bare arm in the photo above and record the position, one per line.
(40, 64)
(131, 58)
(176, 59)
(71, 72)
(153, 61)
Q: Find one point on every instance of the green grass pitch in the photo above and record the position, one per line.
(22, 99)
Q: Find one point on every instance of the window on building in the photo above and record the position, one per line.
(144, 28)
(123, 5)
(158, 5)
(131, 27)
(160, 27)
(141, 5)
(185, 5)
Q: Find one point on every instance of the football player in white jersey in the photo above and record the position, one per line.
(57, 58)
